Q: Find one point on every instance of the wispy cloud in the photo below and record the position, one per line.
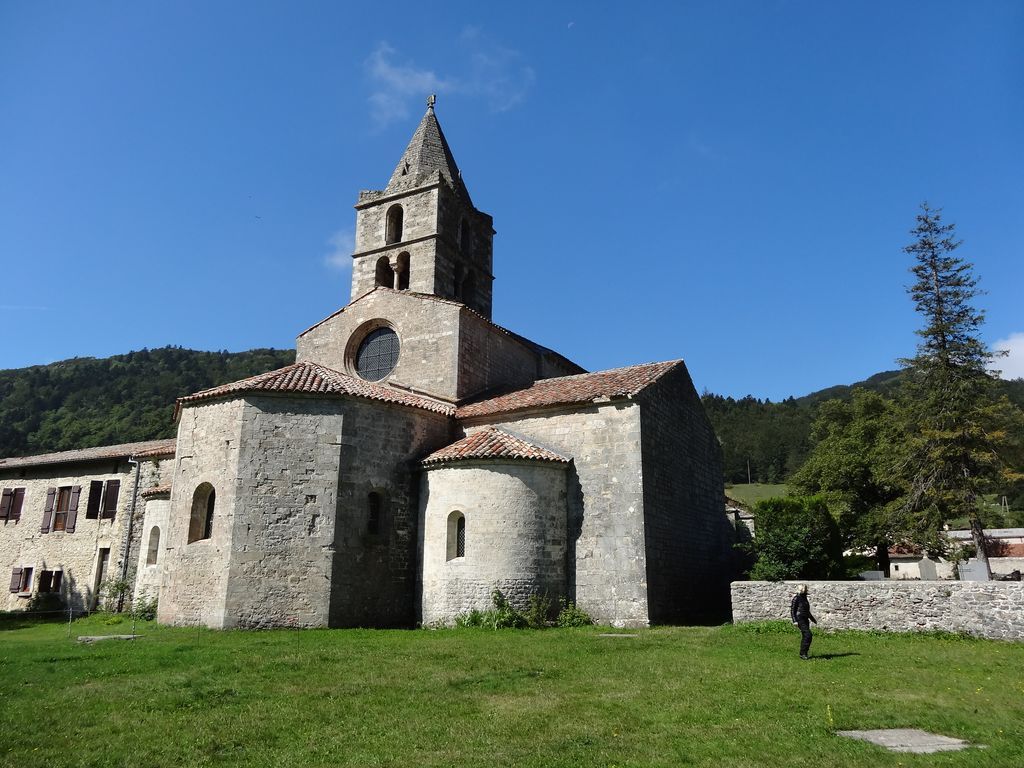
(1012, 365)
(491, 72)
(342, 243)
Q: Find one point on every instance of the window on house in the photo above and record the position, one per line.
(11, 502)
(402, 283)
(61, 510)
(21, 580)
(456, 535)
(153, 551)
(102, 499)
(374, 510)
(395, 218)
(49, 581)
(201, 522)
(384, 275)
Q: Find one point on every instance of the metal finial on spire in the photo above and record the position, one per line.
(431, 100)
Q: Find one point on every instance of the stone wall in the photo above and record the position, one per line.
(992, 609)
(606, 569)
(76, 554)
(515, 535)
(688, 537)
(195, 574)
(148, 574)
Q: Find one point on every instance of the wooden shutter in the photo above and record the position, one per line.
(51, 493)
(6, 500)
(92, 510)
(69, 525)
(57, 576)
(16, 580)
(110, 499)
(19, 501)
(45, 581)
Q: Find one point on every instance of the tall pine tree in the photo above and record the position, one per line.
(959, 428)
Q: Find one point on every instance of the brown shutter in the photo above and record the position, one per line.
(110, 499)
(19, 501)
(6, 499)
(45, 581)
(69, 525)
(92, 511)
(48, 510)
(16, 580)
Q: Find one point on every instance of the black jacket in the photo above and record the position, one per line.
(800, 608)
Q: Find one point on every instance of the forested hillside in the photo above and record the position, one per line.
(84, 402)
(774, 438)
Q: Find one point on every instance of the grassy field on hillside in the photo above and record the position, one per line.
(751, 493)
(705, 696)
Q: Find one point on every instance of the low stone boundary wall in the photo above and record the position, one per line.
(992, 609)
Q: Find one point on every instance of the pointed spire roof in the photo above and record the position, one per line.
(428, 152)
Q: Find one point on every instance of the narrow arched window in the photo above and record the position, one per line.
(468, 291)
(394, 225)
(456, 535)
(402, 272)
(200, 524)
(374, 510)
(465, 237)
(153, 551)
(384, 274)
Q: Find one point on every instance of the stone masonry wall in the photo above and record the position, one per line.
(993, 609)
(374, 574)
(606, 569)
(284, 517)
(515, 535)
(427, 330)
(76, 554)
(489, 358)
(195, 575)
(688, 537)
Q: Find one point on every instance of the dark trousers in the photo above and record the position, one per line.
(804, 625)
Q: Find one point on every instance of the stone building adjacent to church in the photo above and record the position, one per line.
(414, 458)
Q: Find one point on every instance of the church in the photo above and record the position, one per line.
(413, 459)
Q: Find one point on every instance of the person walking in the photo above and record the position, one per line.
(800, 613)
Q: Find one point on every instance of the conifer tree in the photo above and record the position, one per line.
(958, 426)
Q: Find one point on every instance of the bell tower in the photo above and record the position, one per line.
(421, 233)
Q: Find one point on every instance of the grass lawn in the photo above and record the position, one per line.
(697, 696)
(751, 493)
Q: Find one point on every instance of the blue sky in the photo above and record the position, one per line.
(726, 182)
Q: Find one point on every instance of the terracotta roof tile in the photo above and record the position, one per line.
(315, 379)
(122, 451)
(167, 449)
(156, 490)
(565, 390)
(491, 443)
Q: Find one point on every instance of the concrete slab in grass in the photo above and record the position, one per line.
(909, 740)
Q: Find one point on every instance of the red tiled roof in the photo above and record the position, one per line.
(99, 453)
(156, 490)
(314, 379)
(161, 450)
(564, 390)
(491, 443)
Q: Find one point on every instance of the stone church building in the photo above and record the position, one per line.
(414, 458)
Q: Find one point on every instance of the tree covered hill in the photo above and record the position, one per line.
(85, 401)
(773, 439)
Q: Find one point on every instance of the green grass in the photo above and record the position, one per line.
(707, 696)
(751, 493)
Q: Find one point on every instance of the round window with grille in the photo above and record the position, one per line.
(377, 354)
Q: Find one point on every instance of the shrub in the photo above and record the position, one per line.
(572, 616)
(796, 538)
(144, 607)
(538, 611)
